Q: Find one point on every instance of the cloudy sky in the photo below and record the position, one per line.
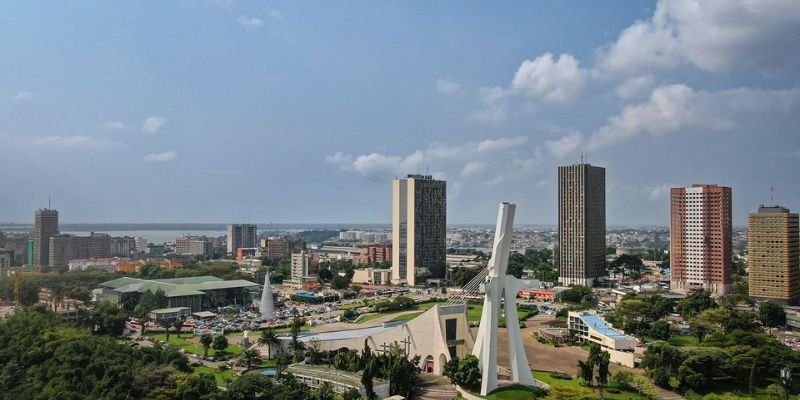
(216, 111)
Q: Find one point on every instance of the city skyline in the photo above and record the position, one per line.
(490, 99)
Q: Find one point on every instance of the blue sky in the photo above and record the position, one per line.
(218, 111)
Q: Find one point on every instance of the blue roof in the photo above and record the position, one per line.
(600, 326)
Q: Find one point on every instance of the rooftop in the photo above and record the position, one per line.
(600, 326)
(352, 379)
(191, 286)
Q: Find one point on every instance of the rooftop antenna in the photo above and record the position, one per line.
(772, 195)
(582, 157)
(48, 202)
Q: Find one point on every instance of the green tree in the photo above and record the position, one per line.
(220, 345)
(603, 362)
(777, 392)
(695, 303)
(200, 386)
(268, 338)
(771, 314)
(466, 373)
(324, 392)
(108, 319)
(661, 330)
(250, 357)
(206, 341)
(178, 326)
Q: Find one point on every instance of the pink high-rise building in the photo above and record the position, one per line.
(701, 239)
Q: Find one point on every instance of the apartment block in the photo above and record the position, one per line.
(773, 255)
(701, 242)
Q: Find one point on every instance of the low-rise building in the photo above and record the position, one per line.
(196, 246)
(373, 276)
(373, 254)
(105, 264)
(197, 293)
(589, 327)
(341, 381)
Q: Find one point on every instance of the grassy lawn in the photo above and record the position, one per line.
(190, 347)
(421, 307)
(683, 341)
(512, 393)
(474, 312)
(220, 376)
(623, 394)
(356, 304)
(407, 317)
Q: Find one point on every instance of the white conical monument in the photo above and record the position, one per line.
(497, 286)
(267, 303)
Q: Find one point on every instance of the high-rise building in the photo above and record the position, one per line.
(122, 246)
(45, 227)
(194, 246)
(241, 235)
(773, 255)
(63, 248)
(419, 228)
(701, 240)
(581, 224)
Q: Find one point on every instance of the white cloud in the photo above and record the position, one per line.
(275, 14)
(447, 86)
(473, 168)
(658, 192)
(153, 124)
(78, 142)
(712, 35)
(635, 86)
(673, 108)
(494, 103)
(553, 80)
(668, 109)
(23, 96)
(448, 158)
(250, 22)
(565, 145)
(161, 157)
(114, 125)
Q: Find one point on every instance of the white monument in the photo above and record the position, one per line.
(267, 303)
(497, 286)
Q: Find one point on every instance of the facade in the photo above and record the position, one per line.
(123, 246)
(701, 241)
(373, 276)
(45, 227)
(241, 235)
(197, 293)
(373, 254)
(589, 327)
(195, 246)
(437, 336)
(277, 248)
(64, 248)
(773, 251)
(419, 228)
(304, 264)
(581, 224)
(6, 260)
(105, 264)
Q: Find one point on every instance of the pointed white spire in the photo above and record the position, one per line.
(267, 304)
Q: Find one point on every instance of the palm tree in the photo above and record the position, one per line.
(178, 325)
(249, 356)
(206, 340)
(268, 338)
(325, 392)
(165, 324)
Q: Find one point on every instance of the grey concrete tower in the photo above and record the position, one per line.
(581, 224)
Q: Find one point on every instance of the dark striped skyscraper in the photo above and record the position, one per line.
(581, 224)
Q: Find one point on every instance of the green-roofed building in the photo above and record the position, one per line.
(197, 292)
